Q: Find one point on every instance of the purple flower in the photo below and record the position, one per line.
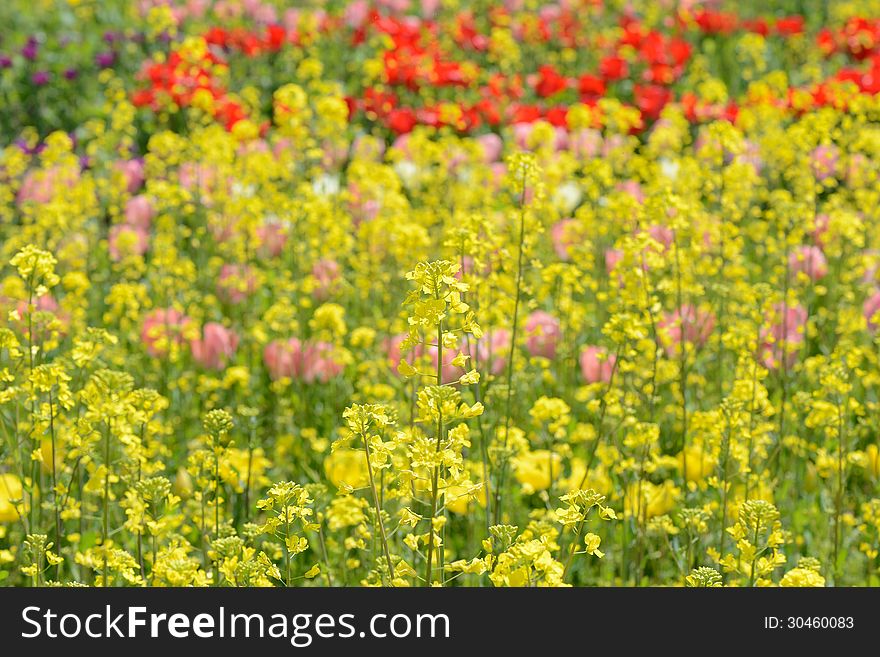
(105, 59)
(70, 74)
(40, 78)
(30, 49)
(110, 37)
(27, 149)
(5, 61)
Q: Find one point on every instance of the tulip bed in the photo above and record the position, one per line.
(400, 293)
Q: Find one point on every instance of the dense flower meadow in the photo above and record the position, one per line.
(401, 293)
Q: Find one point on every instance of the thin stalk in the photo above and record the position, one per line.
(55, 485)
(436, 475)
(286, 548)
(838, 501)
(682, 366)
(573, 547)
(513, 332)
(752, 412)
(724, 464)
(378, 507)
(755, 557)
(105, 526)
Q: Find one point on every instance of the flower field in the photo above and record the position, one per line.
(401, 293)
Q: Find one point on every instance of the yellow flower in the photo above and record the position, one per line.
(458, 498)
(697, 461)
(592, 541)
(872, 461)
(656, 499)
(346, 466)
(11, 493)
(802, 577)
(533, 469)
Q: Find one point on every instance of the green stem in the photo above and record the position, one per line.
(513, 332)
(436, 475)
(106, 515)
(378, 507)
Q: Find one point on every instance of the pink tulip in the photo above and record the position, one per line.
(45, 304)
(563, 239)
(870, 274)
(326, 273)
(694, 324)
(633, 188)
(361, 207)
(549, 13)
(820, 228)
(612, 257)
(282, 146)
(125, 241)
(264, 14)
(355, 14)
(493, 350)
(223, 227)
(38, 327)
(216, 347)
(394, 6)
(492, 146)
(790, 325)
(498, 171)
(543, 332)
(290, 20)
(585, 143)
(466, 267)
(455, 159)
(449, 373)
(162, 327)
(226, 10)
(662, 234)
(521, 134)
(393, 352)
(856, 168)
(197, 8)
(808, 260)
(283, 359)
(560, 141)
(368, 148)
(272, 237)
(334, 155)
(308, 362)
(825, 161)
(236, 283)
(401, 143)
(786, 331)
(596, 365)
(611, 144)
(318, 363)
(430, 8)
(751, 155)
(133, 171)
(139, 212)
(198, 179)
(770, 354)
(870, 308)
(253, 146)
(39, 185)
